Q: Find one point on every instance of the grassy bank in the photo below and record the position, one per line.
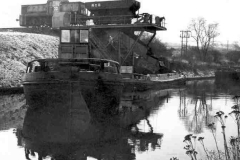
(194, 70)
(17, 49)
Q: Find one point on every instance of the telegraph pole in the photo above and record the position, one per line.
(181, 36)
(184, 35)
(227, 46)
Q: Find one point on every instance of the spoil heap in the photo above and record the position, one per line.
(17, 49)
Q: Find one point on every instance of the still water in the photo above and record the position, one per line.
(149, 125)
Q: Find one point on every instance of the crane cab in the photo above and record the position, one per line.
(74, 43)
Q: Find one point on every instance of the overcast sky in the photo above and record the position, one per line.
(178, 14)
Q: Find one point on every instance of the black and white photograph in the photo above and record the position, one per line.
(119, 80)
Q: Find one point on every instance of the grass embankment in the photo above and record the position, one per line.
(17, 49)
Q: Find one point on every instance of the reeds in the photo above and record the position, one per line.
(190, 149)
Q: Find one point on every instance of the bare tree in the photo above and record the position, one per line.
(204, 35)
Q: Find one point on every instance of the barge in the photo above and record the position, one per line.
(71, 98)
(139, 82)
(74, 81)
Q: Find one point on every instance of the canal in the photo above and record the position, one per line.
(149, 125)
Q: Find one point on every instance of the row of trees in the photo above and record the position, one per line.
(203, 34)
(205, 48)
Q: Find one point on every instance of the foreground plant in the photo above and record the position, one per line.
(234, 141)
(200, 139)
(213, 155)
(222, 119)
(236, 116)
(190, 150)
(230, 153)
(213, 130)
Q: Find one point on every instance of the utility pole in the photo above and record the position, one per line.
(184, 42)
(227, 46)
(181, 36)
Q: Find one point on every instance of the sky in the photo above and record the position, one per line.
(178, 14)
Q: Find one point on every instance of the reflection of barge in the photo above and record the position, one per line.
(140, 104)
(61, 134)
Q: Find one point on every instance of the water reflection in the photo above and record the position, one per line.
(195, 108)
(62, 135)
(12, 111)
(228, 86)
(137, 106)
(132, 130)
